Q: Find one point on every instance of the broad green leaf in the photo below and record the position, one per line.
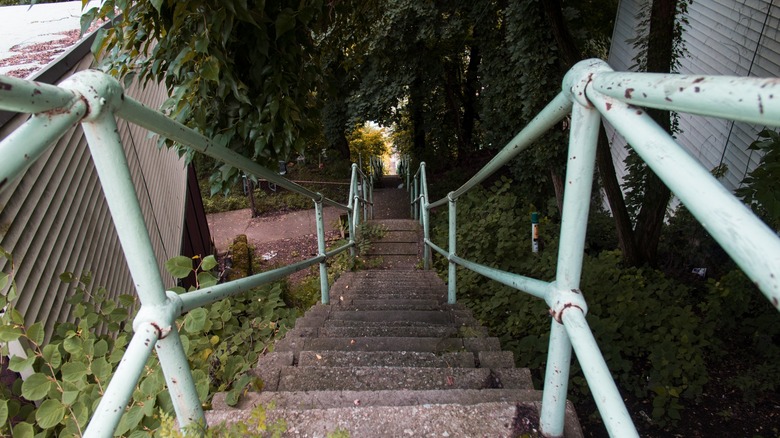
(73, 371)
(211, 69)
(70, 397)
(100, 348)
(157, 4)
(152, 384)
(50, 413)
(130, 420)
(179, 267)
(23, 430)
(127, 300)
(36, 387)
(285, 22)
(208, 263)
(101, 369)
(195, 320)
(67, 277)
(18, 364)
(9, 333)
(206, 279)
(3, 412)
(3, 280)
(36, 333)
(118, 315)
(52, 355)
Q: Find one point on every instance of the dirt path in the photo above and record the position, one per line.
(291, 237)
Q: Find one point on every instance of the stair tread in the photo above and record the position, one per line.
(389, 344)
(494, 419)
(358, 378)
(387, 397)
(462, 359)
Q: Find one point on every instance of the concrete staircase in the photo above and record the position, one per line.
(389, 358)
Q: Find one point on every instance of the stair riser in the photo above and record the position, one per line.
(373, 379)
(430, 345)
(386, 359)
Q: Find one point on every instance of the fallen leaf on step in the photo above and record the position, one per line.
(346, 287)
(341, 298)
(450, 380)
(357, 402)
(318, 356)
(352, 341)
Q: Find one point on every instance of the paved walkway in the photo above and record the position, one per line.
(390, 203)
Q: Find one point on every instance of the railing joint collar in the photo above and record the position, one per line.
(578, 77)
(561, 300)
(161, 317)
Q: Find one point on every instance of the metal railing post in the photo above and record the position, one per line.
(324, 287)
(452, 276)
(371, 197)
(425, 216)
(415, 200)
(556, 381)
(102, 135)
(364, 197)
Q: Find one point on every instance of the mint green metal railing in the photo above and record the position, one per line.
(94, 99)
(592, 91)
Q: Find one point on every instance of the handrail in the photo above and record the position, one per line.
(592, 91)
(93, 99)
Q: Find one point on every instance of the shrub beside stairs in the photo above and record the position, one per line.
(389, 358)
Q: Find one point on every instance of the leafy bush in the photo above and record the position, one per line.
(70, 373)
(647, 326)
(761, 188)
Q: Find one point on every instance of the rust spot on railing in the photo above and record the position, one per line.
(760, 105)
(609, 106)
(697, 80)
(5, 87)
(36, 92)
(628, 92)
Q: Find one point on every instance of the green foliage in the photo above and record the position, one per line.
(746, 326)
(242, 71)
(71, 371)
(367, 142)
(654, 332)
(761, 188)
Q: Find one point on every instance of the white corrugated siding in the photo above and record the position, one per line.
(55, 217)
(723, 38)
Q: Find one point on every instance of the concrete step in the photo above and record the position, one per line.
(427, 316)
(491, 419)
(356, 301)
(401, 236)
(395, 296)
(403, 397)
(393, 248)
(398, 224)
(431, 345)
(382, 378)
(363, 332)
(461, 359)
(347, 305)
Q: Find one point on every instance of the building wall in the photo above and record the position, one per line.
(54, 218)
(724, 37)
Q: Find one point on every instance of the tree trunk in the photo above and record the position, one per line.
(617, 205)
(650, 219)
(639, 244)
(453, 100)
(416, 96)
